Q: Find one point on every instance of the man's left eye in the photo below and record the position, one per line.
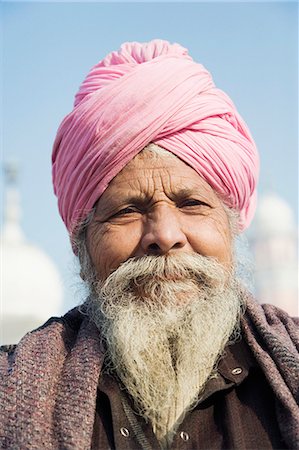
(192, 202)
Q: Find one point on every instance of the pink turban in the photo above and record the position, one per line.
(144, 93)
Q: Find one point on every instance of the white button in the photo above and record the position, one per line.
(184, 436)
(237, 371)
(125, 432)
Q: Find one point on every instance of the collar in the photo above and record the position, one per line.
(233, 368)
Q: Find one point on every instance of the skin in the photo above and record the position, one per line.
(156, 206)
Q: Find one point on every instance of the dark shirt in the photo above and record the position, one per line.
(235, 411)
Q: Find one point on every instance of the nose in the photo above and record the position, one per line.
(162, 232)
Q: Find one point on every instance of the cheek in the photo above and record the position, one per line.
(111, 246)
(211, 237)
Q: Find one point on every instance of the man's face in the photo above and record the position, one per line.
(157, 205)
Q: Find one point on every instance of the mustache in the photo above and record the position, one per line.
(138, 271)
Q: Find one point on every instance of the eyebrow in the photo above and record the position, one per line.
(146, 198)
(184, 193)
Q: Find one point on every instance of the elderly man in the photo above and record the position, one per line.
(155, 174)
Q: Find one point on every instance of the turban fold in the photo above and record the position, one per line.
(145, 93)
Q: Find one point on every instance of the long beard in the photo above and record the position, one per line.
(165, 321)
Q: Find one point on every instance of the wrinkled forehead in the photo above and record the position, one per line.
(155, 172)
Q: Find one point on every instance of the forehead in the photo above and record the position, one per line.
(149, 171)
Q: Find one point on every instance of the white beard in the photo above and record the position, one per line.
(165, 321)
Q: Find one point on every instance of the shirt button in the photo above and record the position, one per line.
(184, 436)
(125, 432)
(237, 371)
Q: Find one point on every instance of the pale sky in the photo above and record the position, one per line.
(250, 49)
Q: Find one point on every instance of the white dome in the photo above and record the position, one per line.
(274, 215)
(31, 283)
(31, 290)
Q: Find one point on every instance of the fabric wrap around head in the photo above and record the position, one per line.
(145, 93)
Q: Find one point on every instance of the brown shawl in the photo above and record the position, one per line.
(49, 380)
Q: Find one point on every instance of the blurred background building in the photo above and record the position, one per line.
(31, 289)
(274, 245)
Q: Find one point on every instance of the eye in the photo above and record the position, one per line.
(189, 203)
(126, 211)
